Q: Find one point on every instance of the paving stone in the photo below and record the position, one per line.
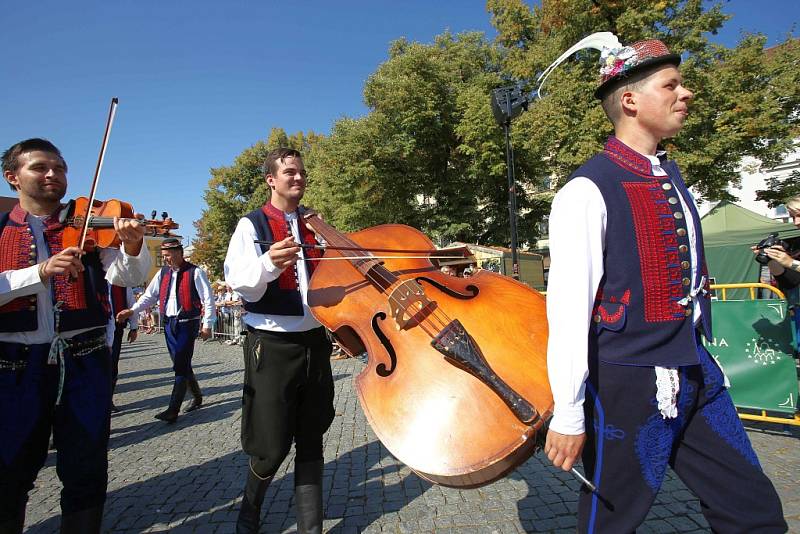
(189, 477)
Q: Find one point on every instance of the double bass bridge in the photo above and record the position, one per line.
(458, 348)
(409, 305)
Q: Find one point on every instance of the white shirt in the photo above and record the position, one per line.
(249, 272)
(577, 242)
(121, 269)
(150, 296)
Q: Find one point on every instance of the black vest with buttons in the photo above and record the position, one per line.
(641, 314)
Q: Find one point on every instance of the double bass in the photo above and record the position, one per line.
(456, 381)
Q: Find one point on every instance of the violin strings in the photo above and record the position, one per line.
(437, 314)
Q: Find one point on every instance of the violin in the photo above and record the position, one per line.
(100, 232)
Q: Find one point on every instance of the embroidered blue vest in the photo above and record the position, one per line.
(641, 314)
(189, 305)
(84, 301)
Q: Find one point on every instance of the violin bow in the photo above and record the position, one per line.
(363, 249)
(111, 112)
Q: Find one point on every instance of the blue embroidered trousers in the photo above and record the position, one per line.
(629, 446)
(80, 424)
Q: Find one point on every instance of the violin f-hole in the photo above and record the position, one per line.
(381, 368)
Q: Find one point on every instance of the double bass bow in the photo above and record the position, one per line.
(456, 382)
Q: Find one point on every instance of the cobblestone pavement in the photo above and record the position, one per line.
(188, 477)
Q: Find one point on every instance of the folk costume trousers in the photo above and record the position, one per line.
(80, 422)
(629, 445)
(116, 350)
(180, 335)
(287, 396)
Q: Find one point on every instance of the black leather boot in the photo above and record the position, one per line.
(197, 401)
(83, 522)
(170, 415)
(15, 524)
(250, 513)
(308, 496)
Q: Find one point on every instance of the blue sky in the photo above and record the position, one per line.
(199, 81)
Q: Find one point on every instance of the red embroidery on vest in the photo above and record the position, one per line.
(71, 292)
(602, 308)
(15, 248)
(654, 227)
(163, 291)
(280, 230)
(627, 157)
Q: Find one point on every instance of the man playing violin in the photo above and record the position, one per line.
(634, 388)
(185, 302)
(55, 368)
(288, 387)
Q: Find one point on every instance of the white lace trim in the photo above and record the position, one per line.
(667, 387)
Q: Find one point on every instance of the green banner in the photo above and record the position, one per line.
(753, 341)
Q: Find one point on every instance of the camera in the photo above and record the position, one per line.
(770, 241)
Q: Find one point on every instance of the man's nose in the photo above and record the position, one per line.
(687, 94)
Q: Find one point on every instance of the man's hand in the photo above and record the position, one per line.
(68, 261)
(205, 333)
(284, 253)
(132, 335)
(131, 233)
(562, 449)
(124, 315)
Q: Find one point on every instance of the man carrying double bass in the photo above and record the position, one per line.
(55, 368)
(288, 388)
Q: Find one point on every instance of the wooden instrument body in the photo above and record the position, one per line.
(441, 421)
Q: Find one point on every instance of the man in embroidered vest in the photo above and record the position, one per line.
(185, 302)
(288, 387)
(627, 304)
(55, 368)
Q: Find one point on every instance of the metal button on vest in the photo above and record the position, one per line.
(685, 265)
(681, 231)
(672, 200)
(688, 312)
(31, 308)
(597, 318)
(686, 281)
(678, 215)
(31, 261)
(683, 249)
(33, 247)
(666, 186)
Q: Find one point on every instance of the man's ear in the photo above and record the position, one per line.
(628, 101)
(270, 181)
(11, 179)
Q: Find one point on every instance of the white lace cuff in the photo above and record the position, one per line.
(667, 387)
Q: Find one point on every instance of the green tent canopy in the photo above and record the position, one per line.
(729, 231)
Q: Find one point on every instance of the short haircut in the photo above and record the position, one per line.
(278, 155)
(11, 156)
(610, 101)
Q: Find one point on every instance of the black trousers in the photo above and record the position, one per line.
(629, 445)
(116, 350)
(287, 396)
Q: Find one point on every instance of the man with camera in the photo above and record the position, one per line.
(785, 269)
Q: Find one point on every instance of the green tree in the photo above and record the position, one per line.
(745, 101)
(429, 153)
(235, 190)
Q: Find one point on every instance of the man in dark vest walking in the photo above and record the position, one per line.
(634, 388)
(55, 368)
(288, 388)
(185, 302)
(120, 298)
